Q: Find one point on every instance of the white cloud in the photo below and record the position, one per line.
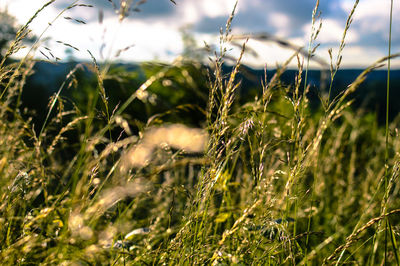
(269, 54)
(373, 15)
(149, 41)
(367, 8)
(332, 32)
(281, 22)
(358, 56)
(21, 9)
(214, 8)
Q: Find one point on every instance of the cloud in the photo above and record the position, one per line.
(155, 9)
(149, 10)
(210, 25)
(285, 18)
(277, 16)
(371, 22)
(250, 21)
(331, 32)
(155, 30)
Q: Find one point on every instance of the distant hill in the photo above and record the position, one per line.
(371, 94)
(47, 79)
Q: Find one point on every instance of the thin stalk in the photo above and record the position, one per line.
(300, 112)
(313, 37)
(339, 55)
(311, 211)
(387, 126)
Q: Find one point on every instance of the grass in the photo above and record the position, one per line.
(266, 182)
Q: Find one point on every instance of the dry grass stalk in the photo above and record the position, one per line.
(351, 239)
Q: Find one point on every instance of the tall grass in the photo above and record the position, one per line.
(267, 182)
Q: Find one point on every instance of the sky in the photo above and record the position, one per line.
(154, 30)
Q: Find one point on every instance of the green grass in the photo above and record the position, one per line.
(266, 182)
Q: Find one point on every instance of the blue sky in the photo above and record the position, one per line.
(154, 32)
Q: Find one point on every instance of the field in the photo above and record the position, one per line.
(178, 164)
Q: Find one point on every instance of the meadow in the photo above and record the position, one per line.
(182, 168)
